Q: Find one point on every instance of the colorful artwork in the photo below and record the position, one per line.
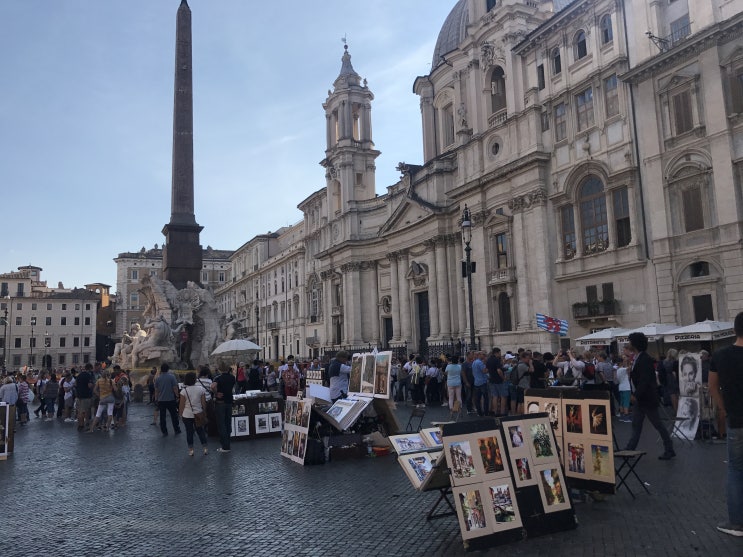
(574, 418)
(523, 472)
(598, 419)
(502, 501)
(367, 374)
(420, 465)
(470, 504)
(354, 380)
(382, 367)
(516, 435)
(461, 463)
(552, 488)
(576, 458)
(541, 441)
(490, 452)
(553, 412)
(601, 461)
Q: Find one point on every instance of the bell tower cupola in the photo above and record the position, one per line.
(350, 154)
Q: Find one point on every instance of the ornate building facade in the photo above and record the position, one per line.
(530, 115)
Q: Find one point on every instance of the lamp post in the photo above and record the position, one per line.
(466, 225)
(46, 346)
(33, 339)
(258, 326)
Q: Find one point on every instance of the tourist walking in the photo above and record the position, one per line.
(166, 394)
(68, 396)
(49, 394)
(222, 388)
(84, 390)
(454, 381)
(645, 387)
(103, 390)
(726, 388)
(193, 404)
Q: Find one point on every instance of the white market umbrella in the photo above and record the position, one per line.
(602, 337)
(654, 331)
(702, 331)
(235, 347)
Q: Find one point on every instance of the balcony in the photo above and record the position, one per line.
(502, 276)
(336, 311)
(273, 325)
(591, 310)
(498, 119)
(312, 341)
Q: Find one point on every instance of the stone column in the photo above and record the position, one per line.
(404, 293)
(520, 251)
(394, 280)
(327, 305)
(433, 289)
(460, 312)
(352, 303)
(376, 337)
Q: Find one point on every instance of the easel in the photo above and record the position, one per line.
(439, 480)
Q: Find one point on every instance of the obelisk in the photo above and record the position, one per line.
(182, 250)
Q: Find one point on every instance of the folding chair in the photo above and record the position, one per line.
(630, 460)
(418, 412)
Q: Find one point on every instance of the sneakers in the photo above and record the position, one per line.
(668, 455)
(190, 451)
(732, 529)
(221, 450)
(70, 420)
(206, 451)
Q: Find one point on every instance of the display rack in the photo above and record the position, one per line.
(257, 416)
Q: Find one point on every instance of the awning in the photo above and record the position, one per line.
(654, 331)
(602, 337)
(702, 331)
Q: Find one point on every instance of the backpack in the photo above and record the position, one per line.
(589, 372)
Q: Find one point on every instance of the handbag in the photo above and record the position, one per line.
(199, 420)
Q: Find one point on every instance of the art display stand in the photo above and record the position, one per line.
(7, 429)
(507, 480)
(296, 428)
(257, 416)
(581, 423)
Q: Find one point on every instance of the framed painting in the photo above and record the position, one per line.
(417, 466)
(515, 433)
(598, 418)
(541, 442)
(460, 451)
(470, 502)
(492, 461)
(552, 488)
(354, 379)
(501, 504)
(432, 437)
(408, 443)
(601, 458)
(274, 422)
(261, 424)
(240, 426)
(522, 471)
(367, 374)
(575, 459)
(382, 370)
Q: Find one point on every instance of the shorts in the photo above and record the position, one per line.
(624, 399)
(69, 402)
(84, 405)
(519, 395)
(512, 391)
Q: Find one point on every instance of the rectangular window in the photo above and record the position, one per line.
(87, 320)
(568, 231)
(86, 341)
(621, 217)
(75, 359)
(47, 341)
(48, 321)
(62, 342)
(682, 112)
(540, 76)
(77, 307)
(607, 291)
(611, 96)
(49, 307)
(32, 342)
(560, 122)
(204, 276)
(17, 342)
(545, 121)
(447, 117)
(19, 289)
(4, 289)
(76, 341)
(86, 358)
(693, 216)
(134, 274)
(16, 360)
(77, 320)
(221, 276)
(64, 307)
(33, 307)
(703, 307)
(584, 109)
(63, 321)
(62, 358)
(501, 251)
(680, 29)
(592, 295)
(19, 320)
(133, 300)
(19, 306)
(87, 307)
(736, 90)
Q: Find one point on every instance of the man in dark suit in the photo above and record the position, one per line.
(645, 394)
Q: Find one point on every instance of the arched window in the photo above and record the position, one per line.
(607, 34)
(556, 61)
(581, 48)
(447, 125)
(498, 89)
(594, 228)
(489, 5)
(504, 311)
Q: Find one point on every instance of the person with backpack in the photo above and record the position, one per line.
(254, 376)
(497, 385)
(49, 394)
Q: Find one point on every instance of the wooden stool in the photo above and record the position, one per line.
(630, 459)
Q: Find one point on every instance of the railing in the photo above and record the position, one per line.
(310, 341)
(273, 325)
(497, 119)
(678, 35)
(502, 275)
(588, 310)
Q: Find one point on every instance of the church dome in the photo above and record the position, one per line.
(452, 32)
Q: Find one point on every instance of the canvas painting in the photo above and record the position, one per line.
(690, 375)
(552, 489)
(261, 423)
(417, 466)
(367, 374)
(432, 437)
(501, 502)
(411, 442)
(516, 435)
(458, 451)
(491, 453)
(533, 407)
(266, 407)
(552, 407)
(274, 421)
(240, 426)
(574, 418)
(354, 380)
(541, 443)
(576, 458)
(382, 370)
(522, 471)
(688, 409)
(602, 465)
(598, 419)
(289, 410)
(471, 512)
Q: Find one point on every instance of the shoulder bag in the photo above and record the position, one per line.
(199, 419)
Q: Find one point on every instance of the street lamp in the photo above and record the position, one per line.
(46, 346)
(257, 325)
(466, 225)
(33, 339)
(5, 334)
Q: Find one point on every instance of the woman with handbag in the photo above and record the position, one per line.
(192, 409)
(103, 389)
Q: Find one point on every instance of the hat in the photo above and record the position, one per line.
(509, 356)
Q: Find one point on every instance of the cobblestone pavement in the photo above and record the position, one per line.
(134, 492)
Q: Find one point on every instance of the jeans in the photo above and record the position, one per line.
(224, 423)
(169, 406)
(49, 405)
(638, 417)
(735, 475)
(190, 427)
(482, 399)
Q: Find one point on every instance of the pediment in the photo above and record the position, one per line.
(406, 214)
(735, 56)
(676, 80)
(497, 219)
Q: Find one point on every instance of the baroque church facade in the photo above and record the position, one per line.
(597, 145)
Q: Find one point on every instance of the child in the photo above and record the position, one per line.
(623, 385)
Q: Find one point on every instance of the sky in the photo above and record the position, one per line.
(86, 116)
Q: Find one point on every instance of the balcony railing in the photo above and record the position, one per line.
(273, 325)
(498, 118)
(589, 310)
(501, 276)
(312, 341)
